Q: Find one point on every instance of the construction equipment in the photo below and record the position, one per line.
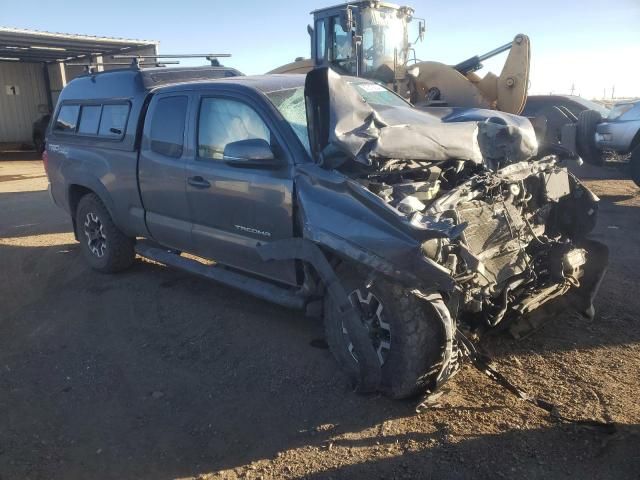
(371, 39)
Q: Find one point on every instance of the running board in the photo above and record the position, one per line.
(264, 290)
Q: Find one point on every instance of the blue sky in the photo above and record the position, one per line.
(592, 44)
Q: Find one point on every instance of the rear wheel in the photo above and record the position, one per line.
(634, 165)
(39, 144)
(104, 246)
(404, 331)
(588, 120)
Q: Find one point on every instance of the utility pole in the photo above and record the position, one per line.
(613, 92)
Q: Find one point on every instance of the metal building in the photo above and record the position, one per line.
(35, 66)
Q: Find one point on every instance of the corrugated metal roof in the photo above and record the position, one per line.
(19, 44)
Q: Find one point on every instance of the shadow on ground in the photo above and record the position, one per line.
(514, 454)
(158, 374)
(19, 155)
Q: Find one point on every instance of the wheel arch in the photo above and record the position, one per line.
(635, 142)
(77, 190)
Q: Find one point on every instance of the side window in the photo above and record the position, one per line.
(292, 106)
(114, 120)
(341, 53)
(341, 41)
(167, 126)
(320, 40)
(90, 119)
(224, 121)
(368, 45)
(67, 119)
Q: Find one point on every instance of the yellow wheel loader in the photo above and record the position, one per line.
(371, 39)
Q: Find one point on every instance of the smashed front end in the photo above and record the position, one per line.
(517, 237)
(465, 210)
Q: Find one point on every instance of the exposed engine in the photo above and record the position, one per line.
(515, 245)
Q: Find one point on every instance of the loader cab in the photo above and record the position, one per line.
(364, 39)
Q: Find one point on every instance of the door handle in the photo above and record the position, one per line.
(198, 182)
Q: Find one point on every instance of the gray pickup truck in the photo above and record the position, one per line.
(328, 194)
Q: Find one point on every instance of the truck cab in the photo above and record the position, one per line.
(150, 144)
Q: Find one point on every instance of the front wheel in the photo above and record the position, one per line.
(104, 246)
(404, 331)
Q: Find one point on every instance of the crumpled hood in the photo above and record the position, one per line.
(343, 127)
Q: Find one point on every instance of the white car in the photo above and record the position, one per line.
(620, 131)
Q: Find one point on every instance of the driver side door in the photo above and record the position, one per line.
(234, 207)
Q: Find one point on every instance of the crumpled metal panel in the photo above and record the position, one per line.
(503, 145)
(343, 127)
(356, 224)
(435, 142)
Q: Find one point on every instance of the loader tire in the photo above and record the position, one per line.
(104, 246)
(588, 120)
(394, 315)
(634, 165)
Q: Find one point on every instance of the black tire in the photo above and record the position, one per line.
(104, 246)
(588, 120)
(416, 337)
(634, 166)
(39, 145)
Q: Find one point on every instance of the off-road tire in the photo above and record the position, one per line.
(39, 145)
(118, 253)
(634, 166)
(588, 120)
(416, 336)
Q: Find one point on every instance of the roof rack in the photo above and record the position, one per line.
(93, 67)
(212, 57)
(137, 62)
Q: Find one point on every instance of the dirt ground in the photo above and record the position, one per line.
(155, 374)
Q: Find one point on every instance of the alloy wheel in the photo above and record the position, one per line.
(372, 315)
(96, 238)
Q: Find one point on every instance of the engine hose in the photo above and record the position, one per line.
(573, 281)
(498, 317)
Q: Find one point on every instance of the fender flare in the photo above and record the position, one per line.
(96, 187)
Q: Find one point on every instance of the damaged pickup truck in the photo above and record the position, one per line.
(332, 195)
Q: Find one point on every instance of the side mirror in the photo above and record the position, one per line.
(251, 153)
(346, 19)
(422, 28)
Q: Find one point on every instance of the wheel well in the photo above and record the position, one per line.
(76, 192)
(635, 142)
